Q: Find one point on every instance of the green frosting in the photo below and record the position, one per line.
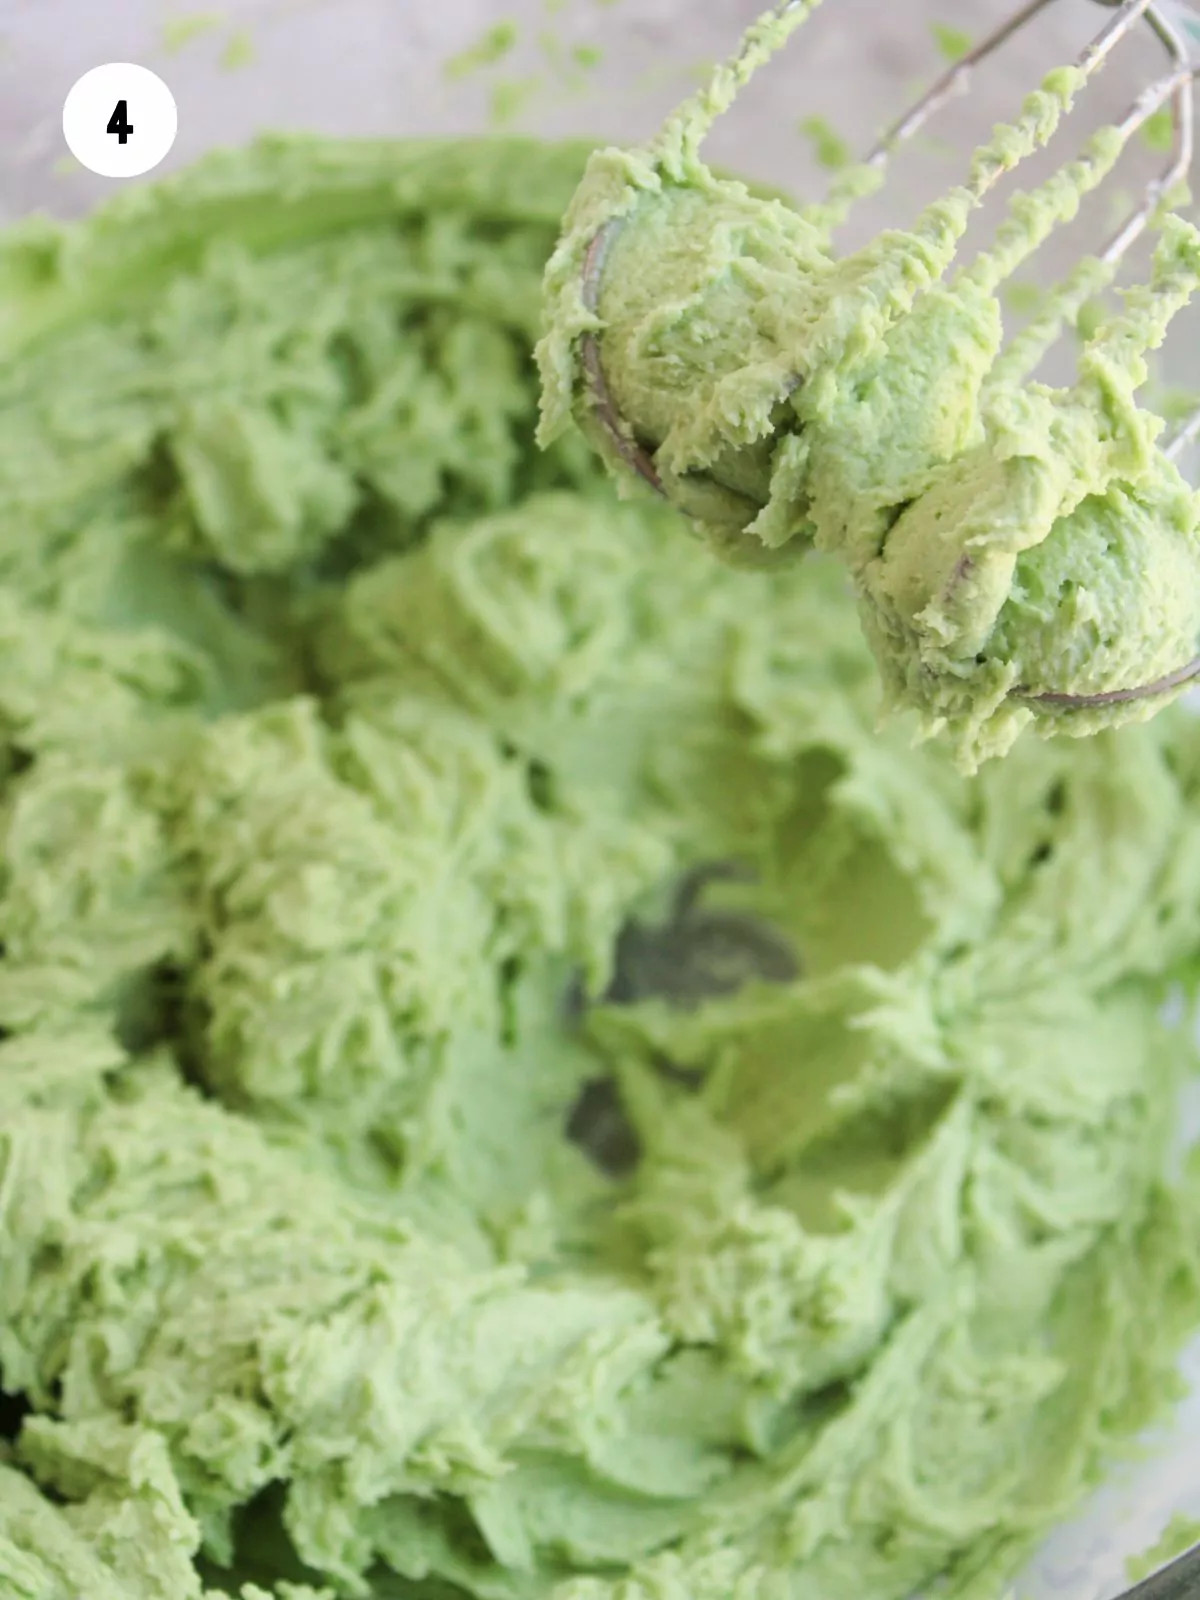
(1014, 547)
(398, 1195)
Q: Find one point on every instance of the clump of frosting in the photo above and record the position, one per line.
(1022, 555)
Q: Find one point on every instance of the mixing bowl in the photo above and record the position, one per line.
(380, 67)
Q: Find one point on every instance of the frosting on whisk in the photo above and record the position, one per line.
(1022, 554)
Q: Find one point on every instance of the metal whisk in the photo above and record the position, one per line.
(1169, 22)
(1180, 1580)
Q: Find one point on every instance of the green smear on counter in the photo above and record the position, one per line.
(239, 51)
(830, 149)
(343, 734)
(952, 43)
(1011, 545)
(497, 43)
(179, 32)
(510, 99)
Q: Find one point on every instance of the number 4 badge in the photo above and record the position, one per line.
(120, 120)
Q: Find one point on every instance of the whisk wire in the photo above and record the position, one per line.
(953, 82)
(1185, 434)
(1178, 88)
(956, 79)
(1032, 217)
(1175, 87)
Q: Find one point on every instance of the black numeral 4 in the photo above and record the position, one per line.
(119, 122)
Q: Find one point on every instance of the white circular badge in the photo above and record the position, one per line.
(120, 120)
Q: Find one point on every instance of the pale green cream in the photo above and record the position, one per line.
(341, 731)
(1009, 542)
